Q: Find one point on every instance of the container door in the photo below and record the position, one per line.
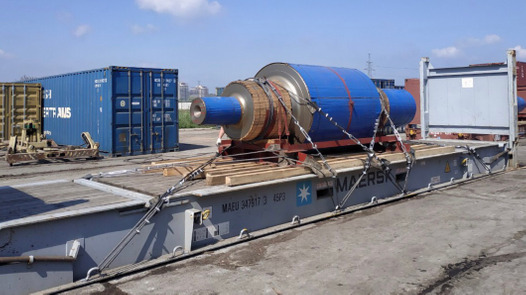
(145, 111)
(25, 104)
(129, 97)
(162, 111)
(19, 102)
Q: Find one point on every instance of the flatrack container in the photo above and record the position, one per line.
(19, 102)
(129, 111)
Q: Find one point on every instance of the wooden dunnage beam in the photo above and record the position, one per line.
(180, 171)
(273, 174)
(185, 160)
(217, 178)
(434, 151)
(230, 166)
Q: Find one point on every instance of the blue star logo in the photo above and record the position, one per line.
(303, 193)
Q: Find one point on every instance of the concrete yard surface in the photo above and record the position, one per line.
(468, 239)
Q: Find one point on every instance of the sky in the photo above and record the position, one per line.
(216, 42)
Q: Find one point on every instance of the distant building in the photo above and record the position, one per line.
(386, 84)
(201, 90)
(198, 91)
(184, 94)
(219, 90)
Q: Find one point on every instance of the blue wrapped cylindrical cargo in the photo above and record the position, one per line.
(347, 96)
(128, 110)
(216, 110)
(521, 104)
(402, 106)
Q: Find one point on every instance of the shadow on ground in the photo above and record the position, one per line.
(188, 146)
(15, 204)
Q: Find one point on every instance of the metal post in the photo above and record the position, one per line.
(512, 102)
(424, 104)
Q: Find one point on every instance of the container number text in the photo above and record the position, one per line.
(247, 203)
(278, 197)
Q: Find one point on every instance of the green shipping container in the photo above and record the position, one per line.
(19, 102)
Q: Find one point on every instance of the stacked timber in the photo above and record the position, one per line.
(227, 171)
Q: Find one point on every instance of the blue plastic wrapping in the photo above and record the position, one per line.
(521, 103)
(341, 92)
(221, 110)
(402, 106)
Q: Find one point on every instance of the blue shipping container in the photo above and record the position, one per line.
(129, 111)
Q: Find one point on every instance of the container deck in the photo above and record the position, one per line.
(96, 214)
